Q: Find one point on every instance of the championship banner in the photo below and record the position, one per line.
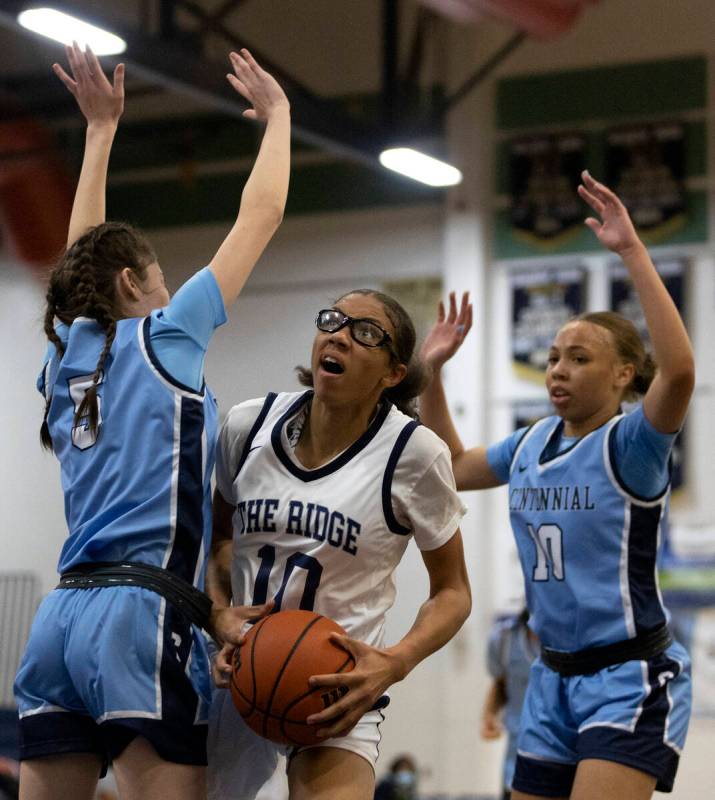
(645, 166)
(624, 300)
(542, 301)
(544, 172)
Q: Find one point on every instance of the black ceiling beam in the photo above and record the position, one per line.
(237, 42)
(219, 14)
(390, 61)
(487, 67)
(318, 122)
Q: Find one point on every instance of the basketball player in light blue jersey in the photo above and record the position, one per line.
(116, 666)
(608, 702)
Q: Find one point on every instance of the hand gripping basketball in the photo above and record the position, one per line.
(271, 668)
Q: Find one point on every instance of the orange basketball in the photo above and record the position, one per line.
(269, 682)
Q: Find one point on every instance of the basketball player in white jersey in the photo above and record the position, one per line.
(319, 493)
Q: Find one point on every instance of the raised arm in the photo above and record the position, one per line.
(471, 468)
(264, 195)
(101, 103)
(666, 401)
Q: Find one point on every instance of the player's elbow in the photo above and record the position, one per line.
(681, 379)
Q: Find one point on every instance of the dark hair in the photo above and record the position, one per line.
(82, 284)
(406, 392)
(630, 349)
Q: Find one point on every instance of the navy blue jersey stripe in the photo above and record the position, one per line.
(178, 697)
(617, 474)
(190, 495)
(359, 444)
(398, 447)
(642, 551)
(268, 402)
(146, 331)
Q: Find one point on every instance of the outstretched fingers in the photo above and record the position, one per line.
(70, 83)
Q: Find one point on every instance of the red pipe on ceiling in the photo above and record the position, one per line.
(542, 19)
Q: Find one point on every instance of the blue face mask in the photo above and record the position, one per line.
(404, 779)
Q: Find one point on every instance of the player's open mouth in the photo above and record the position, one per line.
(559, 396)
(332, 365)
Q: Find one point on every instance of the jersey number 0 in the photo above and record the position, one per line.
(313, 570)
(548, 540)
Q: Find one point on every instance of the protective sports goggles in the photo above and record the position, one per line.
(363, 331)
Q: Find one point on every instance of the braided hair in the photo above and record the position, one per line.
(83, 284)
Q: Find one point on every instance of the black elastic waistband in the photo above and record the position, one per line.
(584, 662)
(192, 602)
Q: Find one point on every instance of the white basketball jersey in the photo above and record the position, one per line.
(329, 539)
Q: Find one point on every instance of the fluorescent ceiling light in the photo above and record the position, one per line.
(66, 29)
(420, 167)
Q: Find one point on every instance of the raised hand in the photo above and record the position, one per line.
(100, 101)
(375, 671)
(447, 334)
(257, 86)
(615, 230)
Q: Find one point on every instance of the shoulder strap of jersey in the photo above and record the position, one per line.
(524, 438)
(260, 419)
(397, 448)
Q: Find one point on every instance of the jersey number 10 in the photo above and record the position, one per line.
(313, 570)
(548, 540)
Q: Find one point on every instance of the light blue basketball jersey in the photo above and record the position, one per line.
(140, 489)
(587, 545)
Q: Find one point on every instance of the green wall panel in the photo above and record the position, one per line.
(332, 186)
(630, 90)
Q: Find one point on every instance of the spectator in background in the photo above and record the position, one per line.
(511, 649)
(400, 783)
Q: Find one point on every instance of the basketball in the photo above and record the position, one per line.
(269, 681)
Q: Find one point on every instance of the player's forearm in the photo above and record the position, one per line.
(496, 697)
(671, 345)
(218, 574)
(261, 212)
(434, 413)
(89, 206)
(266, 189)
(438, 620)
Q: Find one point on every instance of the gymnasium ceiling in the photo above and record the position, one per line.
(359, 73)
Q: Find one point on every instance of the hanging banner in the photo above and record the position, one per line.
(544, 172)
(542, 301)
(624, 300)
(645, 166)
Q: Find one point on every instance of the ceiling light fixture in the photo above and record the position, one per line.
(420, 167)
(67, 29)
